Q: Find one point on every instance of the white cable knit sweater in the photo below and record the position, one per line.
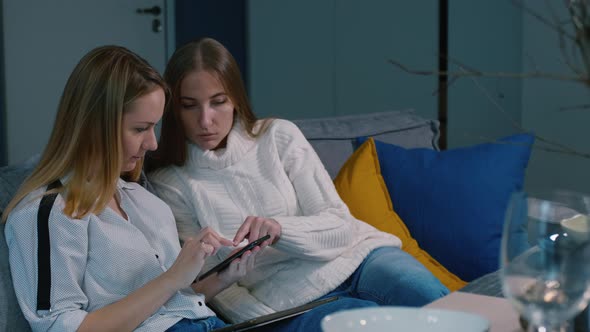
(278, 175)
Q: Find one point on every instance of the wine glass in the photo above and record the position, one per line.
(545, 257)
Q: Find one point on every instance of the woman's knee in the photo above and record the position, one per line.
(391, 276)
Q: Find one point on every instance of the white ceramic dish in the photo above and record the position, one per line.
(381, 319)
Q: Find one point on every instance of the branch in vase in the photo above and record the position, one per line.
(574, 108)
(551, 146)
(477, 73)
(579, 18)
(542, 19)
(536, 146)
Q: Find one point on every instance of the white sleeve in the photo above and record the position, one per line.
(236, 304)
(68, 255)
(167, 185)
(325, 228)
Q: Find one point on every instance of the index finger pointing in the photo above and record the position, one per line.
(242, 231)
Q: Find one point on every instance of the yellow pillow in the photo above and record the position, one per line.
(363, 189)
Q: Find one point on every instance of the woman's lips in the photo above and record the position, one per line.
(207, 137)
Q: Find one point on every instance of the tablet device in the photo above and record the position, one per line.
(275, 317)
(228, 260)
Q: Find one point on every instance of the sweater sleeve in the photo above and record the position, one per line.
(324, 227)
(168, 186)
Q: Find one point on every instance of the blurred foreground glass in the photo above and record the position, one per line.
(544, 258)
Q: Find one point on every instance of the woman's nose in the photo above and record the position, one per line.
(151, 141)
(205, 118)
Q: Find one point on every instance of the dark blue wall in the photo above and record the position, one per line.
(224, 20)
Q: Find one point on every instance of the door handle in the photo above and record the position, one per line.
(155, 10)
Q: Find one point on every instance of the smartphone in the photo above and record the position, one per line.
(219, 267)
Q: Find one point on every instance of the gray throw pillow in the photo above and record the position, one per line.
(333, 137)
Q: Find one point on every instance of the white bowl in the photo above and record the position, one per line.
(381, 319)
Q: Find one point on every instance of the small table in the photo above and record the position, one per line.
(498, 311)
(484, 297)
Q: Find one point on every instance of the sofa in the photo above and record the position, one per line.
(337, 140)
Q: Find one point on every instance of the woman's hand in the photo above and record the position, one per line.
(192, 257)
(239, 267)
(209, 236)
(254, 228)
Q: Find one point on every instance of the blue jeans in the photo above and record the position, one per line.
(387, 276)
(197, 325)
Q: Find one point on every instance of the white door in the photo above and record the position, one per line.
(43, 41)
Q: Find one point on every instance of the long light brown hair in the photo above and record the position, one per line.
(85, 144)
(205, 54)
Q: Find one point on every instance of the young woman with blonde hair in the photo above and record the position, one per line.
(108, 256)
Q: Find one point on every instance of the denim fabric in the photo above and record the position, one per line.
(390, 276)
(197, 325)
(387, 276)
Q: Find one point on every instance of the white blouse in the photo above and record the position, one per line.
(97, 260)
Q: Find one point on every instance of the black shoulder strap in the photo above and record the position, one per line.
(43, 247)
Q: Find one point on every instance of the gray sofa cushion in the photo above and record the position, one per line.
(333, 137)
(11, 317)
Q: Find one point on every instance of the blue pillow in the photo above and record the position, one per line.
(453, 201)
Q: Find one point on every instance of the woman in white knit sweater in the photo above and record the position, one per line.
(218, 166)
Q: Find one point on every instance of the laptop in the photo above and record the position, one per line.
(275, 317)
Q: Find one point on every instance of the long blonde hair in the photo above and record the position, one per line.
(85, 143)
